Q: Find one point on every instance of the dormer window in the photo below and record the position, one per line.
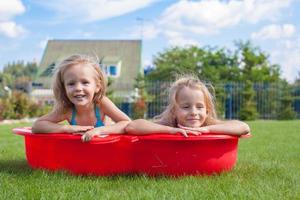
(49, 71)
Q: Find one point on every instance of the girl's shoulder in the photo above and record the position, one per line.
(64, 114)
(55, 115)
(212, 121)
(104, 99)
(103, 103)
(162, 122)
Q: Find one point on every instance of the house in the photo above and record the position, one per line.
(119, 59)
(42, 96)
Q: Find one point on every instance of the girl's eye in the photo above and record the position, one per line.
(85, 82)
(70, 84)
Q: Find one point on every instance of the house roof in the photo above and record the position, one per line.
(127, 51)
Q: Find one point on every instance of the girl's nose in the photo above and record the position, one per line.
(193, 111)
(78, 87)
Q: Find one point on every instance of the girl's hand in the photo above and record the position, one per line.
(76, 129)
(88, 135)
(198, 130)
(184, 132)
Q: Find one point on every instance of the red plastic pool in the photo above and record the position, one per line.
(160, 154)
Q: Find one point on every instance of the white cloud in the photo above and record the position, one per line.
(93, 10)
(258, 10)
(177, 39)
(11, 29)
(202, 17)
(274, 31)
(287, 54)
(209, 16)
(8, 10)
(206, 17)
(147, 32)
(150, 31)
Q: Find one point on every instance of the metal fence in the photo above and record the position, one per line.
(268, 98)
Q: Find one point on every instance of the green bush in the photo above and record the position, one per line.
(21, 105)
(37, 110)
(139, 108)
(286, 111)
(248, 110)
(7, 108)
(18, 106)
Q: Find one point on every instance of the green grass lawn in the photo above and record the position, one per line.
(268, 167)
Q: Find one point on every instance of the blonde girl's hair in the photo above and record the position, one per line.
(62, 102)
(168, 115)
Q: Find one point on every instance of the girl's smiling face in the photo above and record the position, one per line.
(190, 108)
(80, 84)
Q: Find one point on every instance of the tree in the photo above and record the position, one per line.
(174, 61)
(255, 65)
(255, 68)
(109, 92)
(248, 108)
(209, 64)
(16, 69)
(140, 101)
(297, 81)
(286, 111)
(31, 70)
(17, 75)
(216, 65)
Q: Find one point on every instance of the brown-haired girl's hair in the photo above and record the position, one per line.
(167, 117)
(62, 102)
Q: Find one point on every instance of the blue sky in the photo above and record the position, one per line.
(273, 25)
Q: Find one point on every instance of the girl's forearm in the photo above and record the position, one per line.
(117, 128)
(144, 127)
(49, 127)
(233, 127)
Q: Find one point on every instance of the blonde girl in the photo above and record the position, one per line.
(79, 90)
(191, 109)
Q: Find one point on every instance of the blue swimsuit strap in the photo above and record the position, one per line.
(97, 113)
(73, 120)
(98, 116)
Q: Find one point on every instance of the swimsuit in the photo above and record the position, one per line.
(97, 113)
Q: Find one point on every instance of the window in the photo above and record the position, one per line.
(112, 70)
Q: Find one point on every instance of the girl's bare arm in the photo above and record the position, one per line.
(231, 127)
(117, 128)
(50, 124)
(120, 118)
(112, 111)
(144, 127)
